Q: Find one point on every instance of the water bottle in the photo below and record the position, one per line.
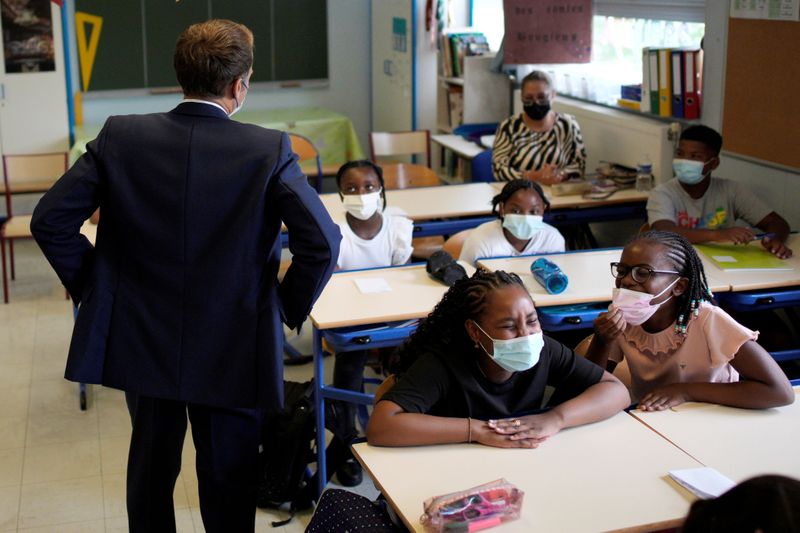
(644, 174)
(549, 276)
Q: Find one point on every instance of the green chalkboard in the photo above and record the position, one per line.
(137, 39)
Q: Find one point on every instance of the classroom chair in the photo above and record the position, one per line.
(407, 176)
(24, 173)
(387, 384)
(482, 167)
(306, 151)
(455, 243)
(388, 143)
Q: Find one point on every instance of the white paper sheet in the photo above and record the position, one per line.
(372, 285)
(704, 482)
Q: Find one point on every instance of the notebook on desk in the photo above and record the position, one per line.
(736, 257)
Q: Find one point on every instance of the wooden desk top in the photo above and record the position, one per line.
(414, 294)
(604, 476)
(571, 201)
(424, 203)
(754, 279)
(588, 271)
(740, 443)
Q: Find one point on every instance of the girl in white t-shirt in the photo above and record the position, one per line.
(371, 237)
(519, 229)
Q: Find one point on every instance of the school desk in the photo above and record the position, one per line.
(332, 133)
(756, 290)
(739, 443)
(350, 319)
(609, 475)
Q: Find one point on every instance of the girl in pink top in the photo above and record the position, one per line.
(679, 346)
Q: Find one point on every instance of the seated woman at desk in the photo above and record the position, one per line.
(538, 144)
(478, 363)
(371, 238)
(678, 346)
(519, 230)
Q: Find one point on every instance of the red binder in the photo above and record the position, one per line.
(691, 84)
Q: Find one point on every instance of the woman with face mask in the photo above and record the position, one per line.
(519, 228)
(476, 370)
(371, 238)
(539, 144)
(676, 344)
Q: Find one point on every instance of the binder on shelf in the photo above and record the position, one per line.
(654, 99)
(677, 83)
(664, 82)
(691, 79)
(644, 104)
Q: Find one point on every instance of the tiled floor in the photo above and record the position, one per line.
(62, 469)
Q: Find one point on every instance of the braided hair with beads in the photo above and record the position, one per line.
(684, 258)
(443, 329)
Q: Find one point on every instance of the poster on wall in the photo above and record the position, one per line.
(27, 36)
(547, 31)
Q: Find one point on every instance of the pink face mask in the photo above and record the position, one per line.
(635, 306)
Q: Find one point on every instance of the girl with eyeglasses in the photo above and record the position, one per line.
(476, 371)
(677, 345)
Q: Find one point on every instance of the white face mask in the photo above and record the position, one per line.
(635, 306)
(362, 206)
(516, 355)
(523, 227)
(239, 105)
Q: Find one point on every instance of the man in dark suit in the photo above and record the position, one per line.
(180, 303)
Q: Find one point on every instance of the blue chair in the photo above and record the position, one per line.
(482, 167)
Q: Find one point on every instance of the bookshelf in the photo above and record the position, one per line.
(479, 96)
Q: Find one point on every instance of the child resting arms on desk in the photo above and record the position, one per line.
(678, 346)
(477, 363)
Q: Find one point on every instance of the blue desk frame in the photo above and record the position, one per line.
(558, 217)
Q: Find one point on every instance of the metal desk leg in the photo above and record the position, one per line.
(319, 405)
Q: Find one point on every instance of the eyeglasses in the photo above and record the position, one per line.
(535, 101)
(639, 273)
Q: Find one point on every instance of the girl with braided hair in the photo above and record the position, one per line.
(677, 344)
(519, 230)
(476, 368)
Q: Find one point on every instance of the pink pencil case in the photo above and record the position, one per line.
(474, 509)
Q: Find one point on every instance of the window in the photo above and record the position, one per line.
(617, 43)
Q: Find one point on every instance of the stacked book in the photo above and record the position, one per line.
(456, 46)
(672, 82)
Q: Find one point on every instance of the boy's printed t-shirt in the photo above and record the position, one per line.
(725, 202)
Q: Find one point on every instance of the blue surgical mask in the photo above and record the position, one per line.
(523, 226)
(688, 171)
(515, 355)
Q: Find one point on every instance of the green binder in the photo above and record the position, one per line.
(738, 257)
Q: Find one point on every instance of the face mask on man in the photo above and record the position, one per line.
(362, 206)
(239, 105)
(523, 227)
(515, 355)
(689, 171)
(635, 306)
(536, 110)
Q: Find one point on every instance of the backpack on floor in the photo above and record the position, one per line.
(289, 446)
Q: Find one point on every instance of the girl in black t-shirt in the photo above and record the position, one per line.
(477, 363)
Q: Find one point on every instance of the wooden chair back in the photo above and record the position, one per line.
(455, 243)
(31, 173)
(408, 176)
(388, 143)
(306, 151)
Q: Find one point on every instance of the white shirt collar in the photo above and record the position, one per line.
(198, 101)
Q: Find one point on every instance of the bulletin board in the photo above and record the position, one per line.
(129, 44)
(761, 112)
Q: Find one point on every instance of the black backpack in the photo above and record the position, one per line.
(289, 446)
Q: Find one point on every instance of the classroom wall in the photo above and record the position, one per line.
(347, 92)
(780, 188)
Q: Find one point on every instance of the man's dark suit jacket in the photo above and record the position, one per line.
(179, 297)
